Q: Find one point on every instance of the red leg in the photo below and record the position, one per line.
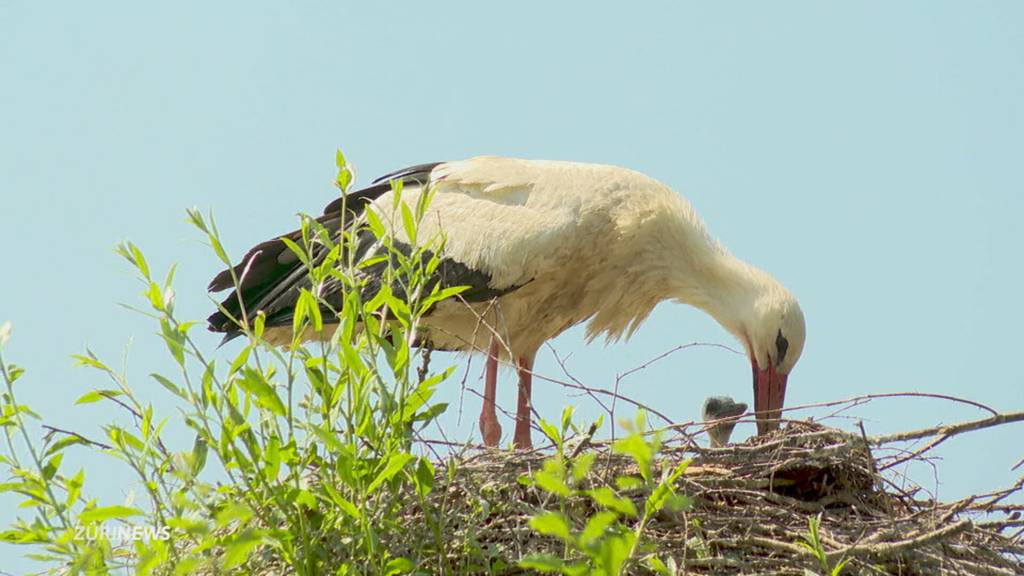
(489, 427)
(522, 439)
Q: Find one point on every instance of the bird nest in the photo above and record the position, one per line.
(751, 506)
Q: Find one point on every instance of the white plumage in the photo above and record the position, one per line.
(567, 243)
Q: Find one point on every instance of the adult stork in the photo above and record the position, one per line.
(545, 246)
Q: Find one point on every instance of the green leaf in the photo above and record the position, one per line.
(314, 314)
(74, 486)
(199, 452)
(90, 360)
(639, 449)
(398, 566)
(13, 373)
(240, 360)
(408, 223)
(169, 386)
(239, 549)
(567, 413)
(431, 413)
(551, 432)
(606, 497)
(301, 310)
(156, 297)
(659, 567)
(233, 512)
(665, 491)
(838, 569)
(124, 439)
(97, 395)
(218, 248)
(169, 278)
(422, 394)
(615, 551)
(272, 459)
(424, 477)
(345, 504)
(62, 444)
(549, 564)
(189, 525)
(344, 176)
(254, 383)
(175, 341)
(150, 555)
(679, 470)
(376, 226)
(441, 295)
(140, 260)
(305, 499)
(50, 469)
(104, 513)
(596, 527)
(259, 324)
(582, 464)
(551, 524)
(628, 482)
(545, 563)
(395, 463)
(552, 478)
(329, 439)
(301, 254)
(134, 256)
(187, 566)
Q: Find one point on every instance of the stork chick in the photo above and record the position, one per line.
(728, 411)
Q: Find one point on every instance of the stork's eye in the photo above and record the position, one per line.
(781, 345)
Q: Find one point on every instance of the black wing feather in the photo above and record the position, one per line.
(357, 201)
(272, 277)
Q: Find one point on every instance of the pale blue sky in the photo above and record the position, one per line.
(870, 155)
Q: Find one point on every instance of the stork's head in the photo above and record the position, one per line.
(775, 340)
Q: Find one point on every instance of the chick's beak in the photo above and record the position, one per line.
(769, 397)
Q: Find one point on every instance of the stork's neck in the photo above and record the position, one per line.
(728, 289)
(671, 256)
(703, 274)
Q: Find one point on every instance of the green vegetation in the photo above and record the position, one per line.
(812, 542)
(305, 458)
(604, 546)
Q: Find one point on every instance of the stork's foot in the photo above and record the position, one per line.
(490, 429)
(522, 440)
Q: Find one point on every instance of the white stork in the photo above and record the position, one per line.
(545, 246)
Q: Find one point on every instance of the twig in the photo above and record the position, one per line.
(605, 392)
(950, 429)
(864, 436)
(586, 389)
(886, 549)
(672, 351)
(424, 368)
(55, 430)
(864, 397)
(585, 442)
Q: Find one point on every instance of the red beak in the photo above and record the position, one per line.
(769, 397)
